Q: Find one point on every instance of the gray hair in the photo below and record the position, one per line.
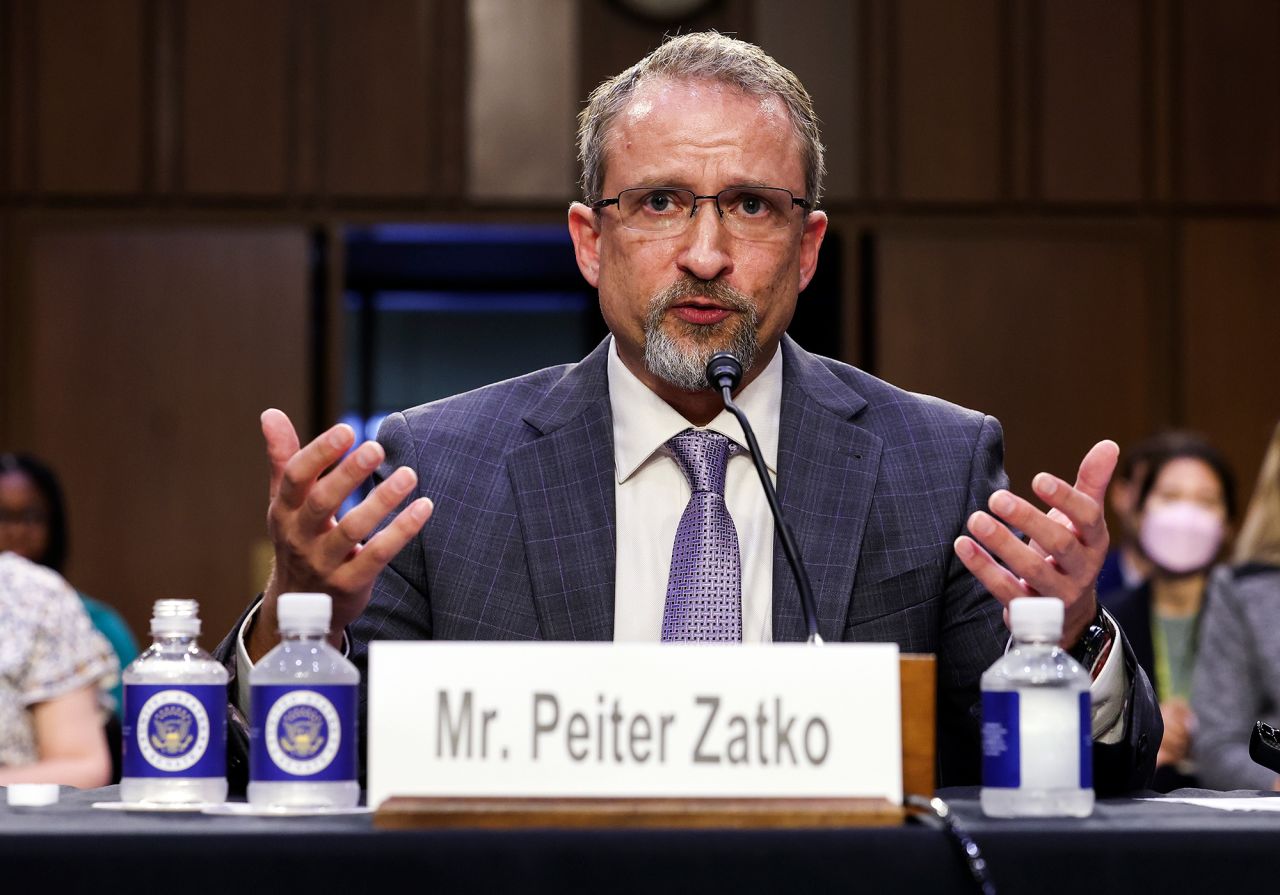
(702, 56)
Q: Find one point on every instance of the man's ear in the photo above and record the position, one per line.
(584, 230)
(815, 228)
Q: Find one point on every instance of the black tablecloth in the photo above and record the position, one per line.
(1127, 846)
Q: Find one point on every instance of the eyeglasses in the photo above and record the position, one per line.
(750, 212)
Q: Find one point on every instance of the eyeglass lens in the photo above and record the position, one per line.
(744, 210)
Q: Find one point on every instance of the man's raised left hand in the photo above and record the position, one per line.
(1067, 544)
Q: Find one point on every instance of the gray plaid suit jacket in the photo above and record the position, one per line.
(875, 482)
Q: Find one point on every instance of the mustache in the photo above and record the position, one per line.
(690, 287)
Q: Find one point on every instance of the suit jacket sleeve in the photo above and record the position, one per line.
(237, 722)
(1129, 765)
(973, 632)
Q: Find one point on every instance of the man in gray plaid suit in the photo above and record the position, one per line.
(553, 496)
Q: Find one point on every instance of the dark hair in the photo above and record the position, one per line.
(1161, 450)
(1134, 461)
(55, 556)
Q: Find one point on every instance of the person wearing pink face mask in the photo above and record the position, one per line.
(1185, 503)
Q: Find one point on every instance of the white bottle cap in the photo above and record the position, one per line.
(1036, 618)
(32, 795)
(304, 612)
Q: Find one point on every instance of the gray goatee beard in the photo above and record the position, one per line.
(678, 352)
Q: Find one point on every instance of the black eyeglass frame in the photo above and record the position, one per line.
(796, 201)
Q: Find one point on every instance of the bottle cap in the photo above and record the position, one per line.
(1036, 618)
(175, 617)
(32, 795)
(304, 612)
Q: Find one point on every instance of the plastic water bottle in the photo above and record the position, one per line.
(174, 746)
(302, 737)
(1037, 750)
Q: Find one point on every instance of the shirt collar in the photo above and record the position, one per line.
(643, 422)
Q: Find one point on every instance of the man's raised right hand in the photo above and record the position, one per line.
(315, 551)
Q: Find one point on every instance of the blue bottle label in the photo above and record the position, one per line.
(303, 734)
(1086, 741)
(174, 730)
(1001, 756)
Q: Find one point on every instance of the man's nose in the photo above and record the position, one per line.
(706, 250)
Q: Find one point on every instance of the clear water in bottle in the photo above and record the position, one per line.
(174, 732)
(1036, 722)
(303, 750)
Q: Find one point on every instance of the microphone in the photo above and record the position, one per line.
(724, 372)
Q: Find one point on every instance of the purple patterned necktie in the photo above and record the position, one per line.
(704, 592)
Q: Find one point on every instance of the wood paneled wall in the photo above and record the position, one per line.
(279, 102)
(1228, 333)
(1063, 213)
(928, 104)
(1092, 125)
(147, 405)
(1053, 327)
(1228, 126)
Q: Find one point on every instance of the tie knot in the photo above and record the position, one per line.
(703, 456)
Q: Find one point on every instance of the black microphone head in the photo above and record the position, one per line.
(723, 370)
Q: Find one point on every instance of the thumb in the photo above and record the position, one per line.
(1096, 469)
(282, 444)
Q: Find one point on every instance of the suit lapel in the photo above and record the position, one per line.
(827, 469)
(563, 484)
(564, 490)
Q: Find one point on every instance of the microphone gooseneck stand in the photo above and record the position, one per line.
(724, 372)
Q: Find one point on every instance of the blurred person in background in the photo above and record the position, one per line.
(1185, 501)
(54, 671)
(33, 524)
(1237, 680)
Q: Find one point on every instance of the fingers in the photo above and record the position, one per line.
(386, 544)
(1177, 730)
(305, 466)
(1097, 468)
(1176, 710)
(1074, 533)
(332, 558)
(356, 524)
(1039, 576)
(1069, 535)
(1084, 513)
(326, 495)
(356, 570)
(998, 581)
(1046, 569)
(282, 443)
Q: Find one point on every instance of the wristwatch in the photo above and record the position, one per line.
(1094, 645)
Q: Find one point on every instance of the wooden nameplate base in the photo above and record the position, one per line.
(413, 813)
(452, 813)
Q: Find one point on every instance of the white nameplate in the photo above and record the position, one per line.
(615, 720)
